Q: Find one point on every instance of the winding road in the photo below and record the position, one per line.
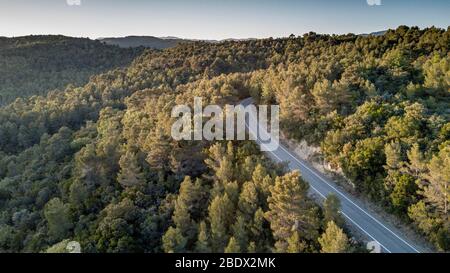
(390, 238)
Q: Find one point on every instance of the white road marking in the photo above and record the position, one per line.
(351, 220)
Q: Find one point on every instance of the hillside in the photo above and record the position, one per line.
(144, 41)
(34, 65)
(97, 164)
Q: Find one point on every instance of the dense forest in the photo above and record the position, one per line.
(95, 163)
(143, 41)
(34, 65)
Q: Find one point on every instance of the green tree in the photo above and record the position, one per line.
(118, 228)
(331, 207)
(221, 216)
(403, 192)
(334, 240)
(130, 172)
(437, 192)
(393, 153)
(203, 245)
(248, 200)
(233, 246)
(159, 150)
(240, 233)
(57, 215)
(417, 163)
(173, 241)
(295, 245)
(187, 205)
(262, 180)
(424, 218)
(291, 211)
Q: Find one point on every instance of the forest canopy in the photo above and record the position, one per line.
(35, 65)
(95, 163)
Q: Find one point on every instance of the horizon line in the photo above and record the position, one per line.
(168, 37)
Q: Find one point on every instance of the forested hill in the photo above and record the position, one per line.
(33, 65)
(96, 164)
(145, 41)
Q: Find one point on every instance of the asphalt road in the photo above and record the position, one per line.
(390, 238)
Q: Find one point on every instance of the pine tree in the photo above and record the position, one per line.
(240, 231)
(225, 172)
(173, 241)
(424, 218)
(437, 192)
(220, 161)
(290, 210)
(232, 191)
(203, 245)
(130, 172)
(331, 207)
(183, 221)
(417, 164)
(262, 180)
(247, 168)
(191, 197)
(158, 150)
(233, 246)
(187, 204)
(334, 240)
(248, 200)
(334, 96)
(57, 215)
(251, 247)
(403, 192)
(221, 216)
(295, 245)
(393, 153)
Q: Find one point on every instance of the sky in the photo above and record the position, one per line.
(215, 19)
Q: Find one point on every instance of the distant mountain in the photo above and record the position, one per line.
(145, 41)
(158, 42)
(377, 33)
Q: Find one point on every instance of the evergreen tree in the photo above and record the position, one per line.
(158, 150)
(417, 163)
(334, 240)
(248, 200)
(130, 172)
(331, 207)
(233, 246)
(295, 245)
(57, 215)
(240, 232)
(403, 192)
(221, 216)
(173, 241)
(290, 211)
(203, 245)
(225, 172)
(437, 192)
(393, 153)
(251, 247)
(262, 180)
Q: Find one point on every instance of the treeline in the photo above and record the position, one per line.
(96, 164)
(35, 65)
